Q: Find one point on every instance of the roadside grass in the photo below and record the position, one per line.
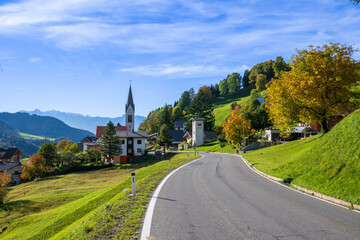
(30, 136)
(213, 147)
(329, 163)
(56, 206)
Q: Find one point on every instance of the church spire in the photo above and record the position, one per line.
(130, 101)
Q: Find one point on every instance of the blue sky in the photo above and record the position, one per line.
(79, 55)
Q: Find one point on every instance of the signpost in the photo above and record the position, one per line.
(133, 184)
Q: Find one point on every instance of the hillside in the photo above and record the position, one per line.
(222, 108)
(43, 126)
(9, 137)
(84, 122)
(329, 164)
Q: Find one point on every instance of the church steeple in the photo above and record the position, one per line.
(130, 112)
(130, 101)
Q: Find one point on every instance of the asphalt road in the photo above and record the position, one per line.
(219, 197)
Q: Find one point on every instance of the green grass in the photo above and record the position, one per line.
(30, 136)
(213, 147)
(329, 164)
(222, 108)
(72, 206)
(24, 160)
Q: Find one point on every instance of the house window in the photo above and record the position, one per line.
(138, 150)
(138, 141)
(199, 124)
(129, 118)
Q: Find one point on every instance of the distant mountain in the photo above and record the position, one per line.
(85, 122)
(43, 126)
(9, 137)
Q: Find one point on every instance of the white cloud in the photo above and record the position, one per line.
(182, 70)
(35, 60)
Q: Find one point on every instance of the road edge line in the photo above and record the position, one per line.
(146, 227)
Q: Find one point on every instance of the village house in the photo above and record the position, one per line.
(10, 162)
(132, 142)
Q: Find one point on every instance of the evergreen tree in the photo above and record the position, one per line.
(201, 106)
(110, 142)
(164, 138)
(245, 79)
(184, 101)
(165, 116)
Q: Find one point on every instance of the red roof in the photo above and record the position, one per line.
(100, 130)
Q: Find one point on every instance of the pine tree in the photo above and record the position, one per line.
(110, 142)
(164, 137)
(201, 106)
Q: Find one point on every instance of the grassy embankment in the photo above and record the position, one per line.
(329, 163)
(213, 147)
(87, 205)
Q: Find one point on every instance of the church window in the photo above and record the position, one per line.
(129, 150)
(139, 150)
(138, 141)
(129, 118)
(122, 141)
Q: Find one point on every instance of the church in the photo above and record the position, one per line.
(132, 142)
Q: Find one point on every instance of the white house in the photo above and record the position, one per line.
(132, 142)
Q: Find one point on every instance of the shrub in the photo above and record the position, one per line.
(5, 179)
(233, 105)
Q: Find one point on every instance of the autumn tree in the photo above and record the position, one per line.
(233, 127)
(110, 142)
(35, 168)
(207, 91)
(317, 87)
(5, 179)
(67, 145)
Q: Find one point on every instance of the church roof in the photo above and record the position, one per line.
(101, 129)
(135, 134)
(130, 101)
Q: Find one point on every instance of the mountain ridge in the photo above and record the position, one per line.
(85, 122)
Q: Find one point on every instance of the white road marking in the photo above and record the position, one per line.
(145, 232)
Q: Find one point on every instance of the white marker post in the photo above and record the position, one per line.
(169, 163)
(133, 184)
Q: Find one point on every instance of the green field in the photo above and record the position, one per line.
(329, 164)
(84, 205)
(30, 136)
(24, 160)
(213, 147)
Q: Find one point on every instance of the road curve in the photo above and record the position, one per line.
(219, 197)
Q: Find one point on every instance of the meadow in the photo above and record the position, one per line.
(85, 205)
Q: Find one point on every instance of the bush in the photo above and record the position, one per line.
(5, 179)
(233, 105)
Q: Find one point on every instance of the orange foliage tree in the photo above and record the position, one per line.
(233, 127)
(207, 91)
(316, 88)
(35, 168)
(5, 179)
